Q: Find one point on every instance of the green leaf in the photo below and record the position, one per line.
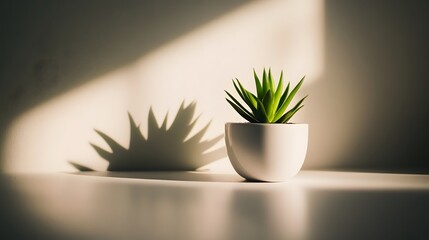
(284, 96)
(262, 114)
(268, 105)
(243, 94)
(238, 103)
(289, 98)
(239, 91)
(252, 98)
(241, 112)
(259, 91)
(299, 102)
(271, 81)
(265, 85)
(288, 115)
(248, 96)
(278, 93)
(294, 90)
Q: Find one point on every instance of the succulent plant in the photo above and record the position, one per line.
(164, 148)
(270, 102)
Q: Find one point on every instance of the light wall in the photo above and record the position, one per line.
(364, 62)
(195, 66)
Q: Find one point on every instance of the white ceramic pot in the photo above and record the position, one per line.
(266, 152)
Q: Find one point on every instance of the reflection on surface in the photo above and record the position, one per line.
(272, 213)
(314, 205)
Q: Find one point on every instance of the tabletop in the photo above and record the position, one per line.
(207, 205)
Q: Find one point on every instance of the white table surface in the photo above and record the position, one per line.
(205, 205)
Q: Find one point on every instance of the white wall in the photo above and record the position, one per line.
(71, 67)
(194, 66)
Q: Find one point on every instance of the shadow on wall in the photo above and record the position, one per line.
(50, 47)
(171, 148)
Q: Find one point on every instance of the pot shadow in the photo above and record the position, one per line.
(164, 149)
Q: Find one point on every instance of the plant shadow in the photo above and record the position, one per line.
(164, 149)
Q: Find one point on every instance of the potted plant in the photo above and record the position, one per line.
(268, 147)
